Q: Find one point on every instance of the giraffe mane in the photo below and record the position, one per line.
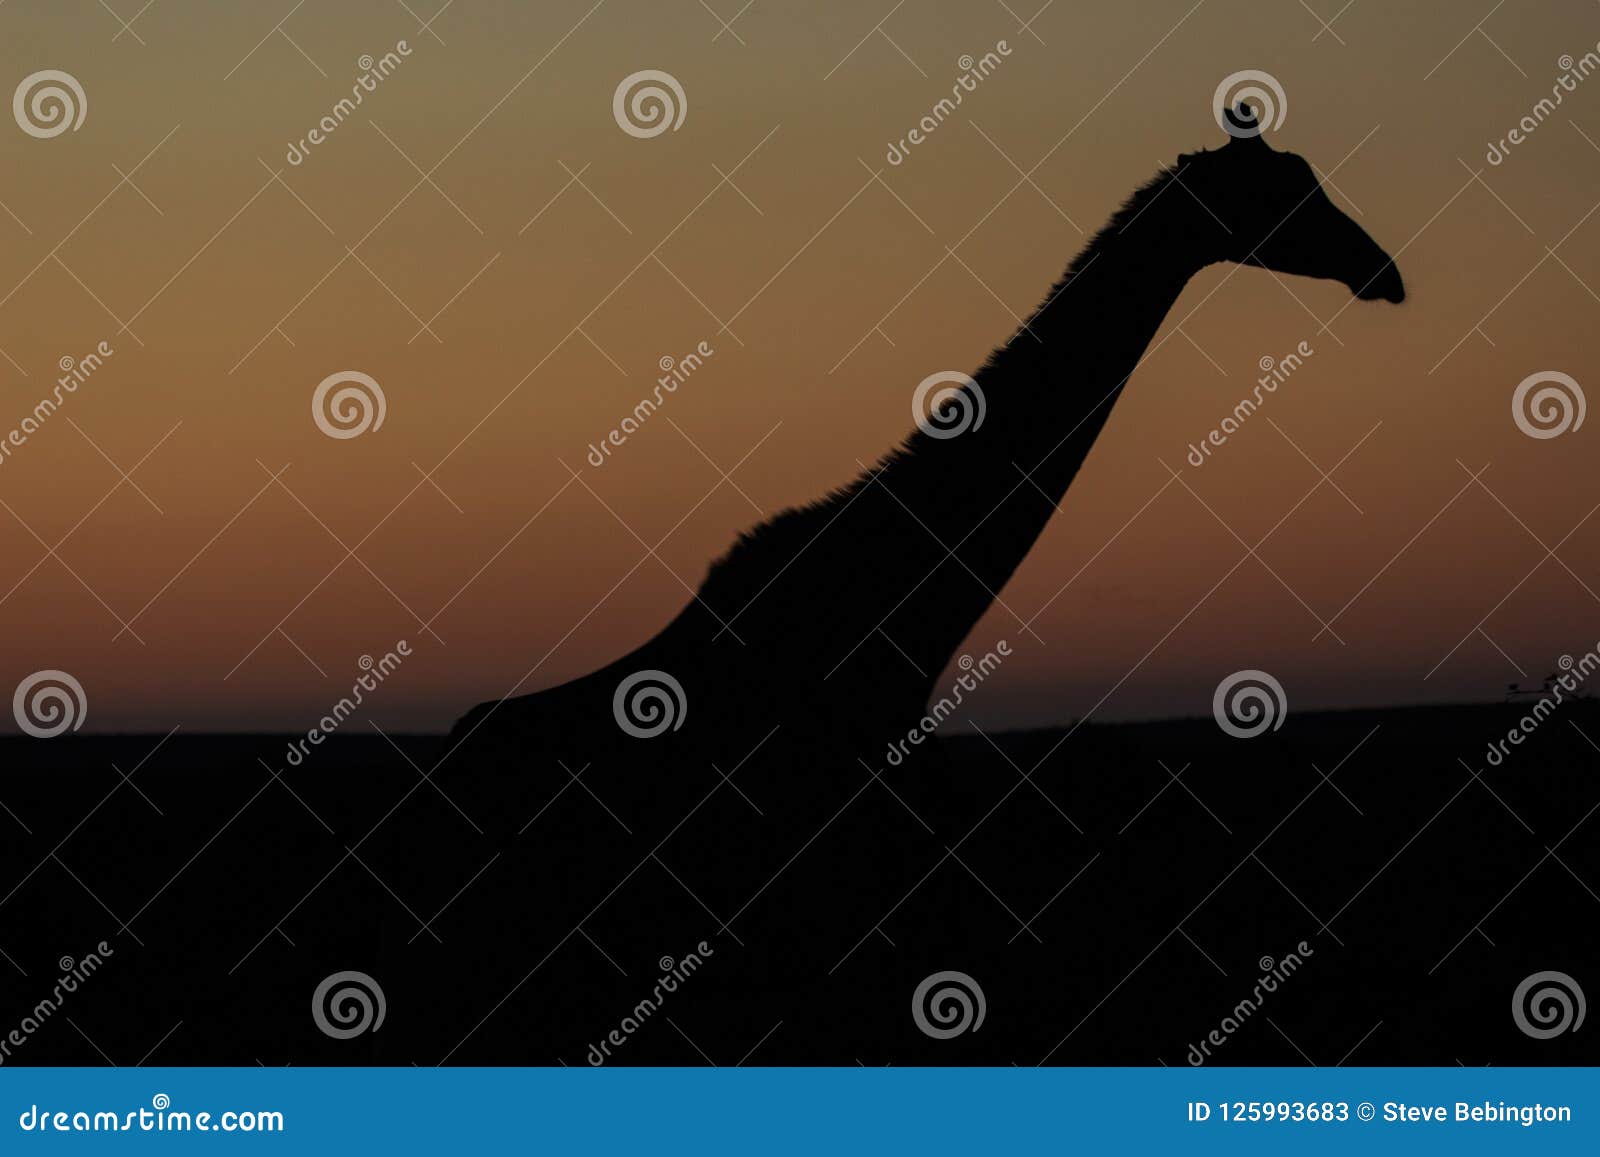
(781, 525)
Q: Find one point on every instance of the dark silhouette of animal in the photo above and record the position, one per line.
(724, 792)
(854, 604)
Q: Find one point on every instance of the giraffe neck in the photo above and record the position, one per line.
(1047, 394)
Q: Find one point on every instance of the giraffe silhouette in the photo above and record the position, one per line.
(856, 603)
(726, 782)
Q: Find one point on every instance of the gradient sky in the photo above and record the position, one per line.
(556, 260)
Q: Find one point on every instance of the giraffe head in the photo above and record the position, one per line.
(1274, 214)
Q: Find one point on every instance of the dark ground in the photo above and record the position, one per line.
(1110, 913)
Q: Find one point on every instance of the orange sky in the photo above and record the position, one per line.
(556, 259)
